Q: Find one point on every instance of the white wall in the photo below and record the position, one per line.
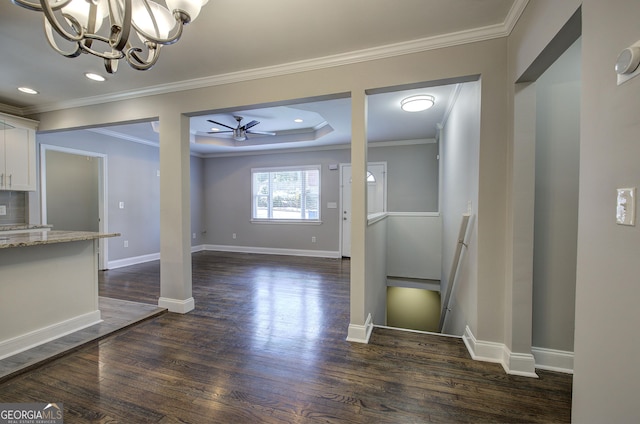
(607, 376)
(414, 245)
(556, 202)
(460, 146)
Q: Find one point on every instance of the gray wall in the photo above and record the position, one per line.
(556, 202)
(72, 191)
(197, 201)
(131, 178)
(228, 203)
(460, 144)
(607, 375)
(412, 174)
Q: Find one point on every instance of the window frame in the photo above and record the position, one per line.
(271, 220)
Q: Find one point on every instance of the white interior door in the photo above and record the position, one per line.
(346, 210)
(376, 198)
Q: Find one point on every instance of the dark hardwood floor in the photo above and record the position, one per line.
(266, 343)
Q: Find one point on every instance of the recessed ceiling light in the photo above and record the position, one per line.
(94, 77)
(27, 90)
(417, 103)
(298, 120)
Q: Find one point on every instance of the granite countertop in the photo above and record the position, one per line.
(23, 227)
(35, 238)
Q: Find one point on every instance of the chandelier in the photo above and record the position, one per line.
(79, 21)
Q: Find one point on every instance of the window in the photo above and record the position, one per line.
(286, 194)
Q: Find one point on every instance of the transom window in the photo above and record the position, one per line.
(286, 194)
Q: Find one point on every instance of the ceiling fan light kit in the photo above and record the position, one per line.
(79, 21)
(417, 103)
(240, 132)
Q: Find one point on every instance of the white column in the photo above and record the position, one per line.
(519, 281)
(359, 324)
(175, 215)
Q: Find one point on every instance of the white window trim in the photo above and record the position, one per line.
(317, 221)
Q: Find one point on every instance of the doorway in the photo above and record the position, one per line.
(376, 198)
(73, 192)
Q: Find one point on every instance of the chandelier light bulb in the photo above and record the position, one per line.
(156, 25)
(81, 11)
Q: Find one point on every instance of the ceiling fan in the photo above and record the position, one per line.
(240, 131)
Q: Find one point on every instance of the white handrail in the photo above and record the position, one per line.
(454, 268)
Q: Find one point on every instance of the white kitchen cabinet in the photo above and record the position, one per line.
(17, 153)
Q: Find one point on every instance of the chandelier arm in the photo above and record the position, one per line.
(164, 41)
(36, 7)
(86, 47)
(49, 16)
(136, 62)
(91, 25)
(48, 32)
(111, 65)
(120, 31)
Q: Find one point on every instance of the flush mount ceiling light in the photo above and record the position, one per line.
(78, 22)
(94, 77)
(417, 103)
(27, 90)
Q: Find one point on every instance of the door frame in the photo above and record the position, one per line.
(341, 195)
(103, 226)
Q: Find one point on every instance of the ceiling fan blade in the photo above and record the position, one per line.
(251, 124)
(261, 132)
(219, 132)
(221, 124)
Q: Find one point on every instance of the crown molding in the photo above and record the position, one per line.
(12, 110)
(376, 53)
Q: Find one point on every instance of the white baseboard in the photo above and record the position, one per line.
(553, 360)
(360, 333)
(177, 305)
(134, 260)
(46, 334)
(513, 363)
(273, 251)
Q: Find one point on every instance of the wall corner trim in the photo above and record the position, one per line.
(360, 333)
(514, 363)
(177, 305)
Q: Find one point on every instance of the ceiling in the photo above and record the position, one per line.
(233, 40)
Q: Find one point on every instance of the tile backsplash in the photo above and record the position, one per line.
(16, 203)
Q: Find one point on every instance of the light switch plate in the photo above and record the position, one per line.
(626, 206)
(3, 209)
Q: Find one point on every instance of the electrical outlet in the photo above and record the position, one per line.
(313, 239)
(233, 235)
(193, 236)
(121, 205)
(126, 243)
(3, 209)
